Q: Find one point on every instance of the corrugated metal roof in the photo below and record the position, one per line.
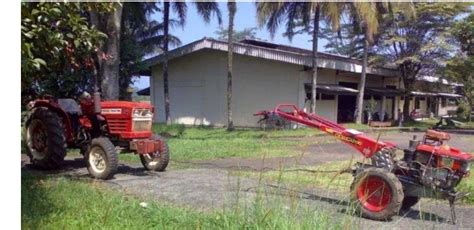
(332, 89)
(294, 56)
(431, 94)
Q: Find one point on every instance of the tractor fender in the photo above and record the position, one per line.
(60, 112)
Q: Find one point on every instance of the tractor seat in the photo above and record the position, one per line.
(70, 106)
(436, 135)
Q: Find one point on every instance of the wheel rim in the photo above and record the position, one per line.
(37, 139)
(152, 159)
(374, 194)
(97, 159)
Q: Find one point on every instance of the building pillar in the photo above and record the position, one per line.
(396, 107)
(382, 113)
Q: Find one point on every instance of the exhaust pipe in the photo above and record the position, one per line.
(97, 107)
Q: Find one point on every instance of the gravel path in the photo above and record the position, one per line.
(212, 185)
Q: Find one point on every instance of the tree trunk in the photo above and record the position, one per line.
(110, 66)
(166, 17)
(406, 103)
(406, 108)
(230, 53)
(360, 96)
(97, 72)
(315, 60)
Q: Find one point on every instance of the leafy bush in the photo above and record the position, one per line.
(463, 111)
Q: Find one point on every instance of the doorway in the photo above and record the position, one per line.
(346, 104)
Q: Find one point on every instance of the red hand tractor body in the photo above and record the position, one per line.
(428, 168)
(98, 128)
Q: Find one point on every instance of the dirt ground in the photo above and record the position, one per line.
(210, 185)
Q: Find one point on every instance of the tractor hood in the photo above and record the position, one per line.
(125, 104)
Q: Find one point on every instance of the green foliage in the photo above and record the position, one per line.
(57, 44)
(464, 33)
(247, 33)
(140, 36)
(463, 111)
(420, 45)
(459, 68)
(297, 16)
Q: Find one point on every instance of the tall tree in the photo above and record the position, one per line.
(141, 35)
(232, 8)
(459, 68)
(418, 46)
(295, 14)
(111, 64)
(205, 10)
(368, 15)
(238, 35)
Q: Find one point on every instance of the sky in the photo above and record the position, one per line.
(245, 17)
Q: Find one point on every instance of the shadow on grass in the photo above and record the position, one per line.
(35, 199)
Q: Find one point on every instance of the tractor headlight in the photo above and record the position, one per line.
(136, 113)
(142, 119)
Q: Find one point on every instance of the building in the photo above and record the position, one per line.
(265, 74)
(434, 97)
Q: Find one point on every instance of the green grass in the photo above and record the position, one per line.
(326, 175)
(204, 143)
(63, 203)
(315, 176)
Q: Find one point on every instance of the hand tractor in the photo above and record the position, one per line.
(388, 184)
(98, 128)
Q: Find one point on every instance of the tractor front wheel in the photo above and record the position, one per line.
(377, 194)
(45, 139)
(157, 161)
(102, 159)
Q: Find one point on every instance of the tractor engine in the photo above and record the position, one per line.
(435, 164)
(128, 120)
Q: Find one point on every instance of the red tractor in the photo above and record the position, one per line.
(98, 128)
(388, 184)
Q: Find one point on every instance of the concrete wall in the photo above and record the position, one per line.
(198, 86)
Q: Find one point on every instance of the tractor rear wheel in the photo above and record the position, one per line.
(377, 194)
(102, 159)
(409, 201)
(384, 159)
(156, 161)
(45, 139)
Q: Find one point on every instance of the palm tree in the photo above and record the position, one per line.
(140, 36)
(231, 7)
(272, 14)
(364, 15)
(206, 10)
(367, 16)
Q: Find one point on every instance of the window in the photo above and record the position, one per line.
(443, 102)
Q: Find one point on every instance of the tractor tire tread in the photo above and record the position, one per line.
(164, 160)
(56, 139)
(111, 155)
(393, 207)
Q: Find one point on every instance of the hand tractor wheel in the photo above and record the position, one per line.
(409, 201)
(159, 160)
(102, 159)
(45, 140)
(377, 194)
(383, 159)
